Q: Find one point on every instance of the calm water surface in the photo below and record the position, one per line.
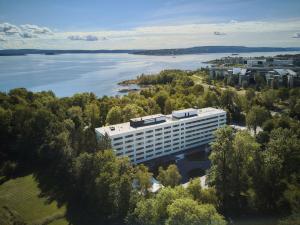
(67, 74)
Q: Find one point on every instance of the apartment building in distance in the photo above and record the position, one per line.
(150, 137)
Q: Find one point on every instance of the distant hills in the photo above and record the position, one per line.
(158, 52)
(213, 49)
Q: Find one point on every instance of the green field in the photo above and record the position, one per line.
(19, 198)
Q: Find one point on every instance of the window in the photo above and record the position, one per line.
(119, 143)
(139, 153)
(129, 141)
(149, 136)
(175, 130)
(167, 128)
(149, 131)
(118, 138)
(167, 132)
(129, 151)
(140, 158)
(140, 148)
(151, 150)
(158, 134)
(176, 125)
(128, 136)
(158, 129)
(140, 133)
(141, 138)
(149, 146)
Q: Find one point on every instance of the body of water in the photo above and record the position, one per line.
(68, 74)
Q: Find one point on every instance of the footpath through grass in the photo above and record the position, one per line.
(20, 199)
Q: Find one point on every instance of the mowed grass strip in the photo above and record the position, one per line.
(22, 196)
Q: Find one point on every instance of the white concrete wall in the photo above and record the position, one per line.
(166, 138)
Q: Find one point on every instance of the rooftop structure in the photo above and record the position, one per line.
(149, 137)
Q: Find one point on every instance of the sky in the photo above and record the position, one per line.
(148, 24)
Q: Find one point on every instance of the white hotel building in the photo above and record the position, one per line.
(150, 137)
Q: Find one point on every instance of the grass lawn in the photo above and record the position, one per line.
(21, 196)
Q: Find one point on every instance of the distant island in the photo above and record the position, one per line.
(157, 52)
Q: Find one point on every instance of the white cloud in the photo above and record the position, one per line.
(34, 29)
(296, 35)
(2, 38)
(219, 33)
(11, 31)
(83, 38)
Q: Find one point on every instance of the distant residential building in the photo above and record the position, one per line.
(243, 75)
(256, 62)
(218, 72)
(282, 62)
(150, 137)
(281, 77)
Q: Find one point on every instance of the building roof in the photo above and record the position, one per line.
(283, 72)
(240, 71)
(121, 128)
(148, 117)
(291, 72)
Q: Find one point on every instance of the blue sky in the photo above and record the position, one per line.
(124, 24)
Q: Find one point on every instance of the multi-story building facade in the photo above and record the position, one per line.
(150, 137)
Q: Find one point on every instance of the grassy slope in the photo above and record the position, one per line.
(21, 196)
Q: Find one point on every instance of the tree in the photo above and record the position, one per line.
(244, 149)
(169, 177)
(114, 115)
(268, 98)
(198, 89)
(92, 112)
(204, 196)
(256, 117)
(194, 188)
(168, 107)
(220, 171)
(189, 212)
(143, 178)
(160, 99)
(145, 213)
(132, 111)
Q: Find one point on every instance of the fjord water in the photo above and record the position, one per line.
(68, 74)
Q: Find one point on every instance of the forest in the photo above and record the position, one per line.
(252, 173)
